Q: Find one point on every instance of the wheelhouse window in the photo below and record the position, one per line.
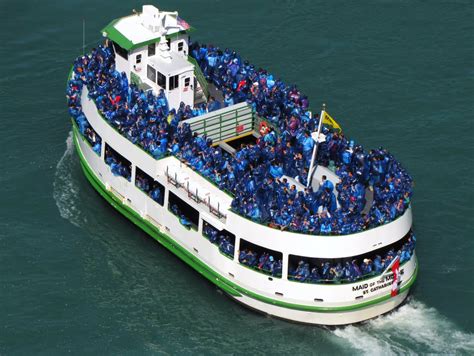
(151, 49)
(154, 189)
(260, 258)
(122, 52)
(187, 81)
(180, 45)
(350, 269)
(138, 59)
(187, 215)
(174, 82)
(224, 239)
(151, 73)
(119, 165)
(161, 80)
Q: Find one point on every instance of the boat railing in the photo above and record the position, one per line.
(193, 194)
(224, 124)
(200, 76)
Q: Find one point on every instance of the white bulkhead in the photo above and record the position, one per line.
(153, 52)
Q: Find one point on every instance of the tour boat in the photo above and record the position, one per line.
(209, 156)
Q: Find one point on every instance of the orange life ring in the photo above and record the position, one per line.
(263, 128)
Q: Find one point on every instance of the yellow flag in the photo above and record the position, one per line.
(328, 120)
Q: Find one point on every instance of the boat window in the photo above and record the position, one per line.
(349, 269)
(154, 189)
(187, 215)
(260, 258)
(224, 239)
(187, 81)
(151, 73)
(161, 80)
(173, 82)
(151, 49)
(122, 52)
(138, 60)
(89, 134)
(119, 165)
(180, 45)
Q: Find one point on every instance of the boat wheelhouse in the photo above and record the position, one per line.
(177, 137)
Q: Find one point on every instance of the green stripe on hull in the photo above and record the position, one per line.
(226, 285)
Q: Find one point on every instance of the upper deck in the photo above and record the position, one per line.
(254, 174)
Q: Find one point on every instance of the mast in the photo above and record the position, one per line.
(315, 137)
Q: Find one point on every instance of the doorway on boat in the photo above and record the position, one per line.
(249, 139)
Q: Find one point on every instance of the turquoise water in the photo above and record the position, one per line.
(76, 277)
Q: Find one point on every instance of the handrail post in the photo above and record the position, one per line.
(220, 127)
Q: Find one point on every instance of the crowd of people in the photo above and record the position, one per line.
(264, 262)
(254, 175)
(223, 240)
(150, 187)
(118, 166)
(349, 271)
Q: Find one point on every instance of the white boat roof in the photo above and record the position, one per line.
(178, 64)
(144, 27)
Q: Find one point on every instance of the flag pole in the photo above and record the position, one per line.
(315, 148)
(389, 266)
(83, 36)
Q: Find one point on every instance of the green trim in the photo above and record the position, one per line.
(200, 76)
(115, 35)
(149, 228)
(226, 285)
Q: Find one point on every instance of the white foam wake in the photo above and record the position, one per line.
(412, 329)
(66, 187)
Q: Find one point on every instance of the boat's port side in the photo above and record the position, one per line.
(258, 281)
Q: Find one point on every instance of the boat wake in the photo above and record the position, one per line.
(66, 186)
(411, 329)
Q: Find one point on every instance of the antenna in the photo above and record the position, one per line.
(83, 36)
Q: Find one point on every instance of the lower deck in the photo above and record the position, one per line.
(189, 243)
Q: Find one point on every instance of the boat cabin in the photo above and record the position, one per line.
(151, 47)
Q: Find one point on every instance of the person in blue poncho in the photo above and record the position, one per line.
(185, 221)
(276, 170)
(156, 195)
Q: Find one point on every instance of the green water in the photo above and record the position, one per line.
(76, 277)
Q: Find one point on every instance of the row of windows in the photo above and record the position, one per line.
(152, 47)
(122, 52)
(258, 258)
(160, 79)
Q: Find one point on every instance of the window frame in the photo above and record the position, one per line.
(151, 182)
(173, 82)
(148, 73)
(151, 49)
(161, 79)
(173, 198)
(122, 52)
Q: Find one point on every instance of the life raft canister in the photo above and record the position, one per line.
(263, 128)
